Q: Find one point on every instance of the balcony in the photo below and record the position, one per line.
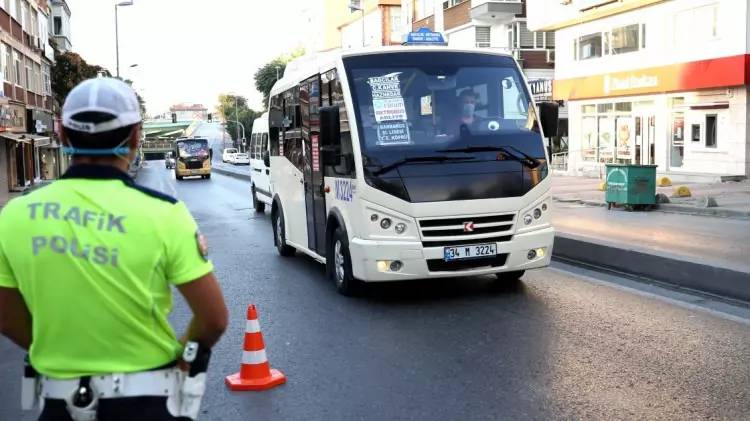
(496, 9)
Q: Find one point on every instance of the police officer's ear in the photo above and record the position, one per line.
(135, 137)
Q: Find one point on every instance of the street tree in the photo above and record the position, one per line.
(246, 115)
(69, 70)
(272, 71)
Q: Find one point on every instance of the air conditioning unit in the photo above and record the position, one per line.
(550, 56)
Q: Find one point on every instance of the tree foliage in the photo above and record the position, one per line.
(244, 114)
(70, 69)
(269, 73)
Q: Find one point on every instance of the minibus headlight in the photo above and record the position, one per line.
(537, 213)
(385, 223)
(374, 217)
(400, 228)
(527, 219)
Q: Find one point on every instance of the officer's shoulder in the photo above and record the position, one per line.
(29, 196)
(165, 198)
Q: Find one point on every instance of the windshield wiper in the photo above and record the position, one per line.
(434, 158)
(524, 159)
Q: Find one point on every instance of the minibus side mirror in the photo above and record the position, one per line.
(266, 159)
(548, 114)
(210, 154)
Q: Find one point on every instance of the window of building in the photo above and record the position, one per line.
(711, 131)
(17, 69)
(38, 78)
(17, 11)
(25, 22)
(395, 24)
(29, 75)
(6, 5)
(519, 37)
(483, 35)
(46, 80)
(450, 3)
(625, 39)
(695, 133)
(7, 64)
(423, 8)
(58, 25)
(590, 46)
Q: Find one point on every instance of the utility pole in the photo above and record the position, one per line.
(237, 120)
(117, 32)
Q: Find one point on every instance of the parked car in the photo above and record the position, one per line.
(169, 161)
(241, 158)
(228, 155)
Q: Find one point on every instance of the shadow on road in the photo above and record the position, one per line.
(417, 291)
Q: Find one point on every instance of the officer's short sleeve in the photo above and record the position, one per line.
(7, 279)
(187, 252)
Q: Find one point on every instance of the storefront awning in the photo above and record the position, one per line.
(40, 140)
(17, 137)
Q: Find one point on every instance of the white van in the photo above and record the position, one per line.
(259, 152)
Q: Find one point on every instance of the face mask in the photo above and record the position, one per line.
(469, 110)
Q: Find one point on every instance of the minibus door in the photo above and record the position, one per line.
(314, 194)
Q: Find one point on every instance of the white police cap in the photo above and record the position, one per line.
(102, 95)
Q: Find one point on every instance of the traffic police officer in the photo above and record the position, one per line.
(86, 270)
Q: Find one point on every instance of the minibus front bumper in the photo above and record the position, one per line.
(373, 260)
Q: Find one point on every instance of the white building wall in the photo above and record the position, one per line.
(351, 34)
(665, 44)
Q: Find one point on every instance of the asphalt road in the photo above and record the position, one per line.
(560, 346)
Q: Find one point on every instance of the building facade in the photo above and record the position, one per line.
(59, 22)
(380, 24)
(26, 105)
(188, 112)
(662, 82)
(495, 25)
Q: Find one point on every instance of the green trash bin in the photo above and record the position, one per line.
(632, 186)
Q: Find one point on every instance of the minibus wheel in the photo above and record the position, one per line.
(341, 264)
(278, 230)
(259, 206)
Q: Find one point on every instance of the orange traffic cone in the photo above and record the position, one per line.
(255, 372)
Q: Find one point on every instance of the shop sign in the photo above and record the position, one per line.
(705, 74)
(12, 118)
(541, 89)
(625, 137)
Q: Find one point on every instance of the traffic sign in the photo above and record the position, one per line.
(425, 36)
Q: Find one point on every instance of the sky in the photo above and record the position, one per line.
(187, 50)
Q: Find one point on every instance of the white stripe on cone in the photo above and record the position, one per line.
(254, 357)
(252, 326)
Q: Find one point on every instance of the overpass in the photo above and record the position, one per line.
(160, 136)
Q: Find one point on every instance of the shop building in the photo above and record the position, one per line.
(661, 82)
(26, 96)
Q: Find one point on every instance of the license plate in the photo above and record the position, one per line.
(469, 252)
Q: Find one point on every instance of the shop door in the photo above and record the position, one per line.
(645, 139)
(314, 193)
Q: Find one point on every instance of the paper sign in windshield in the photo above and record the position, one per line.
(387, 102)
(393, 133)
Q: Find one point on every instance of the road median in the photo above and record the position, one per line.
(652, 265)
(231, 172)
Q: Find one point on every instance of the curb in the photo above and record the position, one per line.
(229, 173)
(675, 271)
(671, 208)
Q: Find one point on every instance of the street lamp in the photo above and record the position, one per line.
(117, 32)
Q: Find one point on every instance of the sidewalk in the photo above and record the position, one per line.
(732, 197)
(698, 252)
(237, 171)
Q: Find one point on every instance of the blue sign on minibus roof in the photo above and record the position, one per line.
(425, 36)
